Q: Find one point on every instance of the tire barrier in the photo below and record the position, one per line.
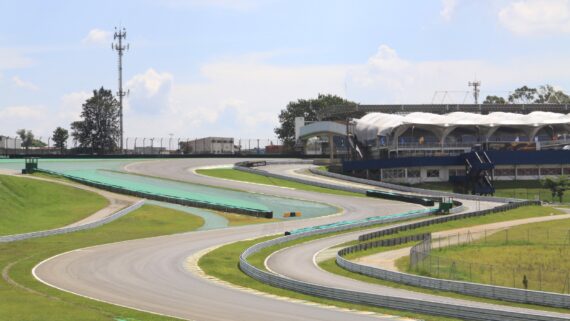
(414, 190)
(401, 197)
(165, 198)
(63, 230)
(468, 288)
(465, 310)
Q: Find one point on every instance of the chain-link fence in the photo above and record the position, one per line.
(159, 146)
(529, 258)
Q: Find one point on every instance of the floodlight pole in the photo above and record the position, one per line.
(475, 84)
(119, 35)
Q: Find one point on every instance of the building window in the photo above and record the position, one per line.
(413, 173)
(527, 172)
(504, 172)
(433, 173)
(393, 173)
(551, 171)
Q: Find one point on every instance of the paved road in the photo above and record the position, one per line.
(298, 263)
(149, 274)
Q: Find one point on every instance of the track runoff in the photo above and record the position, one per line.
(150, 274)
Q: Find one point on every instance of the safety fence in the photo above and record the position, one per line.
(534, 258)
(63, 230)
(444, 218)
(164, 198)
(414, 190)
(384, 243)
(398, 301)
(426, 263)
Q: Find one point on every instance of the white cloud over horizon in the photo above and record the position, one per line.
(97, 37)
(448, 8)
(536, 17)
(24, 84)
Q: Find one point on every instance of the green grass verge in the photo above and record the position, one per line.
(539, 251)
(512, 189)
(222, 263)
(236, 175)
(28, 205)
(23, 298)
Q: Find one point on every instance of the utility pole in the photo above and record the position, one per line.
(475, 84)
(120, 35)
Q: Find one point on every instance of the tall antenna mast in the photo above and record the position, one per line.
(475, 84)
(120, 34)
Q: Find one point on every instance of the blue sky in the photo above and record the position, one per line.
(199, 68)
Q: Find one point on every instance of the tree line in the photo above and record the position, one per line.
(97, 132)
(546, 94)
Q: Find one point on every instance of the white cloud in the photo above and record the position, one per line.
(25, 112)
(13, 59)
(149, 92)
(71, 106)
(536, 17)
(97, 37)
(24, 84)
(448, 8)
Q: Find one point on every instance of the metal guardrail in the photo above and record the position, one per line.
(165, 198)
(468, 288)
(393, 302)
(63, 230)
(444, 218)
(414, 190)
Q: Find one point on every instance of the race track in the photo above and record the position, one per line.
(149, 274)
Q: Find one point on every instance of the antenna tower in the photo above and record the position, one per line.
(475, 84)
(119, 36)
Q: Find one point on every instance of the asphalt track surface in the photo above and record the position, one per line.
(149, 274)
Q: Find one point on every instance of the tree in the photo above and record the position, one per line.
(557, 186)
(99, 129)
(495, 100)
(60, 136)
(309, 109)
(523, 95)
(548, 95)
(27, 137)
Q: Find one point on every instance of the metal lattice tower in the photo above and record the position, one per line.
(120, 35)
(475, 84)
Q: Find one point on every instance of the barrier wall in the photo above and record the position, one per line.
(63, 230)
(469, 311)
(165, 198)
(475, 289)
(414, 190)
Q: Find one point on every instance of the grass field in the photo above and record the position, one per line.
(236, 175)
(28, 205)
(523, 212)
(23, 298)
(539, 251)
(530, 190)
(222, 263)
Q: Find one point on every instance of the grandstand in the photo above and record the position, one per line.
(471, 145)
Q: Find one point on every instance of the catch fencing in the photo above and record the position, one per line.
(527, 267)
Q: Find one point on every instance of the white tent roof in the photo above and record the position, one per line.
(379, 124)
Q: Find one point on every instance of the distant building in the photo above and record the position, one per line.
(209, 145)
(10, 143)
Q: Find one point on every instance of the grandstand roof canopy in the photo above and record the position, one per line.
(380, 124)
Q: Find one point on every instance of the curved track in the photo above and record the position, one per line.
(149, 274)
